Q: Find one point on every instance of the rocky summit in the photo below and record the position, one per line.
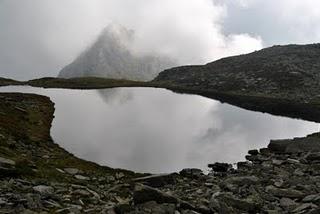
(37, 176)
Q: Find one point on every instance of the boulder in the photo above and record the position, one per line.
(253, 152)
(191, 173)
(288, 204)
(220, 167)
(143, 194)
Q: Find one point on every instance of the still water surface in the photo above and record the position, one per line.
(156, 130)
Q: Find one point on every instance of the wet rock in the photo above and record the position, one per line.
(157, 180)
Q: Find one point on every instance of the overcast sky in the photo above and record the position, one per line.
(39, 37)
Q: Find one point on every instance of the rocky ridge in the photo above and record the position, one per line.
(289, 71)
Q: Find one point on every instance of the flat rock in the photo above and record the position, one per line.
(42, 189)
(72, 171)
(81, 177)
(311, 198)
(5, 161)
(303, 207)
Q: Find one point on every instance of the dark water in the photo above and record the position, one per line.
(155, 130)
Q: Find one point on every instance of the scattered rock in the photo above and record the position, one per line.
(242, 180)
(81, 177)
(313, 157)
(290, 193)
(5, 161)
(72, 171)
(303, 207)
(42, 189)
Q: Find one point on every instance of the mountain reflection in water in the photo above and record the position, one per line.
(156, 130)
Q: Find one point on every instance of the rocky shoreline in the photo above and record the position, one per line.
(37, 176)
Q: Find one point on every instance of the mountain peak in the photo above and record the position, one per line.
(111, 56)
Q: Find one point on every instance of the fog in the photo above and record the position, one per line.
(39, 37)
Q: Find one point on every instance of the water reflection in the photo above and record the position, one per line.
(155, 130)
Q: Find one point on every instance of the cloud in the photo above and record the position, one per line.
(39, 37)
(276, 22)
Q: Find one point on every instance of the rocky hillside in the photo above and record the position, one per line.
(291, 71)
(111, 56)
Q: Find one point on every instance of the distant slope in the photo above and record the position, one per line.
(291, 71)
(110, 56)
